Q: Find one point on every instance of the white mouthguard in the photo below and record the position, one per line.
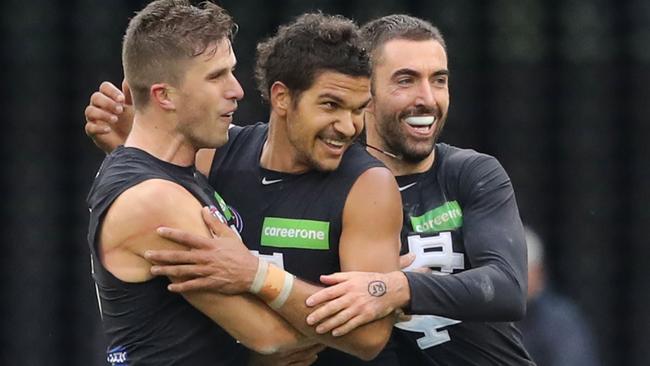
(420, 120)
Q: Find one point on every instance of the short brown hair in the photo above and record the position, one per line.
(165, 34)
(378, 32)
(304, 48)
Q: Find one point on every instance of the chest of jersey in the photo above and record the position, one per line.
(432, 228)
(294, 221)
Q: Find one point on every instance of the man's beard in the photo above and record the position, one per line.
(396, 141)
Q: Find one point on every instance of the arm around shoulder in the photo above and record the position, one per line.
(494, 288)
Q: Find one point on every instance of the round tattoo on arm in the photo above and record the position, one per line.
(377, 288)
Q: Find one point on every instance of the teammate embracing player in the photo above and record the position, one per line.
(461, 223)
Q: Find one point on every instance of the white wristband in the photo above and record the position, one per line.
(260, 276)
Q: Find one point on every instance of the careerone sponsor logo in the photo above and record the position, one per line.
(293, 233)
(446, 217)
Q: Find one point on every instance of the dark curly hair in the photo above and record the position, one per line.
(309, 45)
(163, 35)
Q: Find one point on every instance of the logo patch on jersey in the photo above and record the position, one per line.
(224, 207)
(117, 356)
(292, 233)
(267, 182)
(403, 188)
(446, 217)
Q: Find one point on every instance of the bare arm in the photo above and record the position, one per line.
(129, 229)
(374, 198)
(372, 220)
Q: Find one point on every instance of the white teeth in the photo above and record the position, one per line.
(420, 120)
(334, 142)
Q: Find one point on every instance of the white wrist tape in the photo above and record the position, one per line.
(272, 284)
(260, 276)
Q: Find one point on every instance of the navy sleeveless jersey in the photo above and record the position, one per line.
(145, 323)
(462, 218)
(291, 220)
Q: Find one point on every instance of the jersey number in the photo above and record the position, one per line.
(435, 252)
(429, 325)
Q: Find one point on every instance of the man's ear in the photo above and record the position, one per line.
(280, 98)
(126, 90)
(163, 95)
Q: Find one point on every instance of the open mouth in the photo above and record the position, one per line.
(420, 121)
(334, 146)
(421, 125)
(334, 143)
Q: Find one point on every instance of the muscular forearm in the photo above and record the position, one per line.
(486, 293)
(249, 321)
(364, 342)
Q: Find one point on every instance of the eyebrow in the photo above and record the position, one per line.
(411, 72)
(364, 104)
(220, 71)
(335, 98)
(340, 101)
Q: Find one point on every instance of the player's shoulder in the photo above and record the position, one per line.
(242, 140)
(153, 199)
(147, 205)
(369, 175)
(236, 132)
(378, 177)
(357, 160)
(126, 163)
(453, 157)
(458, 162)
(471, 174)
(122, 168)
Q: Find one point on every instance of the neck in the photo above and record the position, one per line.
(400, 167)
(278, 153)
(156, 134)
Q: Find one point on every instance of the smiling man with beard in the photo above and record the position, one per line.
(467, 282)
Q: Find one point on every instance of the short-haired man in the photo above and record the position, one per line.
(460, 218)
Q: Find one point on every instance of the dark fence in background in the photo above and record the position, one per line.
(557, 90)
